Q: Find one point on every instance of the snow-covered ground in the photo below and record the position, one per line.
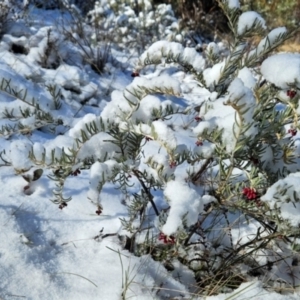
(78, 252)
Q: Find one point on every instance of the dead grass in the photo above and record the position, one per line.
(290, 46)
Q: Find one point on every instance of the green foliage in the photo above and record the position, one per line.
(42, 118)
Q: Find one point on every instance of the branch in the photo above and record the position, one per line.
(197, 176)
(146, 190)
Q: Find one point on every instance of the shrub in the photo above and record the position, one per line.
(133, 24)
(204, 18)
(10, 11)
(277, 13)
(203, 149)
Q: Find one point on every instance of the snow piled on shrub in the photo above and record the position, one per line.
(221, 115)
(19, 152)
(285, 196)
(233, 4)
(184, 202)
(282, 69)
(247, 20)
(172, 177)
(269, 40)
(160, 50)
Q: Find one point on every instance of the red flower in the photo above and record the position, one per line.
(98, 211)
(76, 172)
(172, 164)
(250, 193)
(292, 131)
(166, 239)
(291, 93)
(199, 143)
(62, 205)
(26, 187)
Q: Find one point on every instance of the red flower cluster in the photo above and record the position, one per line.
(292, 131)
(291, 93)
(166, 239)
(249, 193)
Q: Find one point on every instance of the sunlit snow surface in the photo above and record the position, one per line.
(48, 253)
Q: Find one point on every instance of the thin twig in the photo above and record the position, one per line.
(196, 176)
(146, 190)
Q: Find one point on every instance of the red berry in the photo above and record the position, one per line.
(76, 172)
(26, 187)
(62, 205)
(99, 210)
(199, 143)
(291, 93)
(172, 164)
(292, 131)
(135, 74)
(255, 161)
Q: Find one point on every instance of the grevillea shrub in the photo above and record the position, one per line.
(204, 149)
(134, 24)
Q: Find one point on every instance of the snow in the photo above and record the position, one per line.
(221, 115)
(162, 49)
(283, 195)
(273, 66)
(184, 201)
(20, 161)
(270, 39)
(99, 173)
(252, 290)
(212, 75)
(233, 4)
(247, 77)
(249, 19)
(162, 133)
(213, 48)
(81, 128)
